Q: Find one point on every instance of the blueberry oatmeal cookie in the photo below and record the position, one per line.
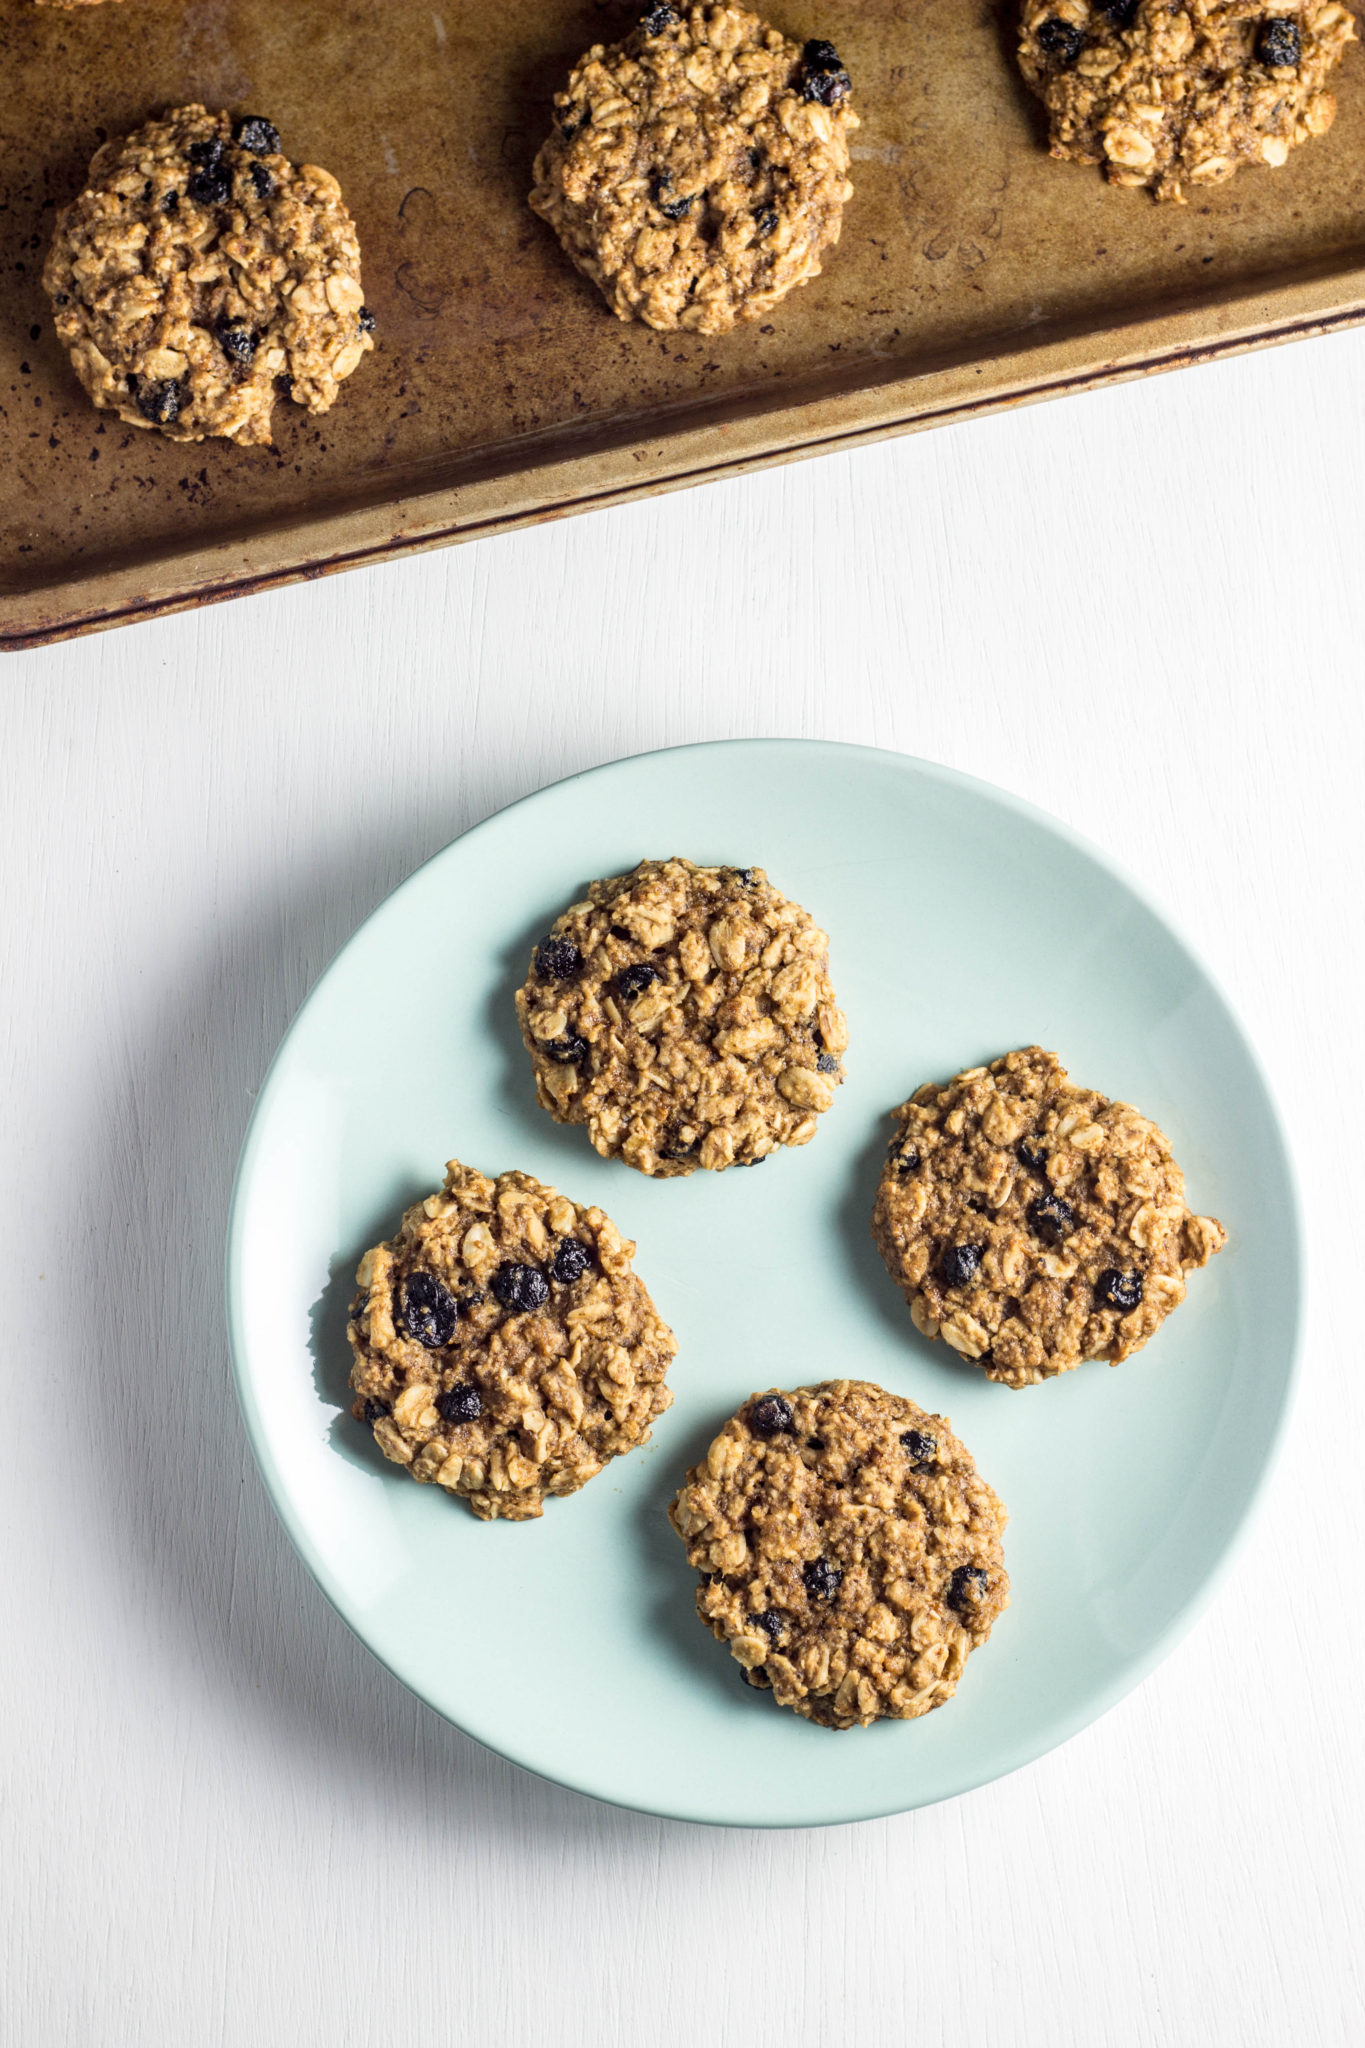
(850, 1552)
(1177, 93)
(698, 171)
(503, 1347)
(685, 1015)
(201, 273)
(1034, 1224)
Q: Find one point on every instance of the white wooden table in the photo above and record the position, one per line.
(222, 1822)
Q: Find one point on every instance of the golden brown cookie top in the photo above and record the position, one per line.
(698, 171)
(1173, 97)
(201, 273)
(1032, 1223)
(504, 1349)
(685, 1014)
(850, 1552)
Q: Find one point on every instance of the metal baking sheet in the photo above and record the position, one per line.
(973, 273)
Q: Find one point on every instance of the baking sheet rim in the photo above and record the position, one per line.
(676, 456)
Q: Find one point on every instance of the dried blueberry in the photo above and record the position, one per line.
(772, 1416)
(765, 219)
(557, 959)
(171, 203)
(823, 77)
(1118, 13)
(159, 403)
(827, 1064)
(255, 133)
(1279, 43)
(427, 1310)
(263, 182)
(570, 1262)
(1031, 1156)
(368, 323)
(920, 1446)
(656, 19)
(1060, 41)
(520, 1288)
(671, 209)
(906, 1158)
(460, 1404)
(967, 1586)
(749, 876)
(374, 1409)
(570, 1051)
(237, 342)
(205, 155)
(212, 187)
(1052, 1218)
(822, 1578)
(633, 981)
(1119, 1290)
(771, 1622)
(959, 1263)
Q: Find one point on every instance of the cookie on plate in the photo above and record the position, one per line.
(503, 1347)
(201, 273)
(1034, 1224)
(698, 171)
(1175, 96)
(685, 1015)
(849, 1550)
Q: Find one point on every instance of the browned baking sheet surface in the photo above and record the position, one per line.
(972, 270)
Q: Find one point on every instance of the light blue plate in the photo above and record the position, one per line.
(962, 923)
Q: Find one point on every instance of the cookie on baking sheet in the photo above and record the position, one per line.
(698, 171)
(503, 1347)
(1034, 1224)
(849, 1550)
(1175, 96)
(685, 1015)
(201, 273)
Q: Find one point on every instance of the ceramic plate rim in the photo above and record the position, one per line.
(1093, 1705)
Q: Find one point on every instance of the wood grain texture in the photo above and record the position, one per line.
(223, 1823)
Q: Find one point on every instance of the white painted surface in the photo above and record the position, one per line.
(223, 1823)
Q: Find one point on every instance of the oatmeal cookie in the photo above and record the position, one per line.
(1168, 95)
(849, 1551)
(698, 171)
(1034, 1224)
(685, 1015)
(200, 272)
(503, 1347)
